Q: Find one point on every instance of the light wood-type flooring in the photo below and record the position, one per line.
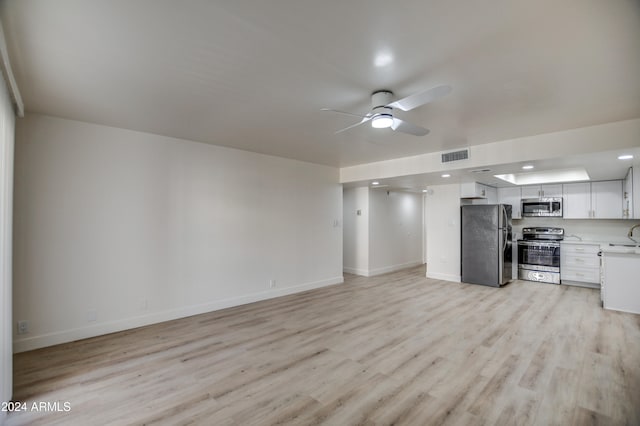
(394, 349)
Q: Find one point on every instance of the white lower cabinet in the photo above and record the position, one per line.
(620, 289)
(580, 264)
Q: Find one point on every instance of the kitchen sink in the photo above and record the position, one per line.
(624, 245)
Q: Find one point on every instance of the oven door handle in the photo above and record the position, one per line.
(538, 243)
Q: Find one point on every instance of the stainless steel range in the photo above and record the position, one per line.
(539, 254)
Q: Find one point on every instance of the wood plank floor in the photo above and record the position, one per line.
(394, 349)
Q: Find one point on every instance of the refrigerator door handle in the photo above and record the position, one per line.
(505, 230)
(501, 259)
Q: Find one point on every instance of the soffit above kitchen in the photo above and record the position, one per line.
(255, 75)
(600, 166)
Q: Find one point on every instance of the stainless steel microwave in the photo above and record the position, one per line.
(542, 207)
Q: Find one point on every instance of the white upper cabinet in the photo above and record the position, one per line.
(539, 191)
(627, 195)
(478, 190)
(492, 195)
(552, 190)
(635, 190)
(511, 195)
(530, 191)
(598, 200)
(606, 199)
(576, 200)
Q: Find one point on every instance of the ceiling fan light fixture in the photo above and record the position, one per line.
(382, 121)
(382, 110)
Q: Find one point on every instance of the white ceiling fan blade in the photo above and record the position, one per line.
(405, 127)
(364, 120)
(419, 99)
(344, 112)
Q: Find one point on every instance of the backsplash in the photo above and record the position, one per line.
(587, 229)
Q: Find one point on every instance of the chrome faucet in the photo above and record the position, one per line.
(630, 234)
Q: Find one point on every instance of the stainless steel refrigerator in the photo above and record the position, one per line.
(486, 256)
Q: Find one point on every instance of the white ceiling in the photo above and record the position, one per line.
(254, 75)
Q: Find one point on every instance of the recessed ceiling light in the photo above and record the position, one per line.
(527, 167)
(625, 157)
(446, 175)
(375, 183)
(425, 190)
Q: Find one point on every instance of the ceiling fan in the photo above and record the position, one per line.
(382, 106)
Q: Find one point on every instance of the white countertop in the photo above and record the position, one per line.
(606, 248)
(584, 242)
(599, 242)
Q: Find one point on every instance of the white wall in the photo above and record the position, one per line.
(442, 217)
(606, 230)
(424, 229)
(7, 122)
(135, 228)
(356, 231)
(387, 236)
(395, 230)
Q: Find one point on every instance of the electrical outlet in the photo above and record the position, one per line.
(272, 283)
(23, 327)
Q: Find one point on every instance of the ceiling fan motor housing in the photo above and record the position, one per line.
(381, 99)
(382, 114)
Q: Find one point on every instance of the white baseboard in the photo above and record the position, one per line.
(380, 271)
(444, 277)
(628, 311)
(98, 329)
(393, 268)
(356, 271)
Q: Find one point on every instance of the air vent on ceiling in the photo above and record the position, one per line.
(455, 156)
(481, 171)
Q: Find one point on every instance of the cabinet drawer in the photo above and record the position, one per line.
(587, 275)
(591, 249)
(580, 261)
